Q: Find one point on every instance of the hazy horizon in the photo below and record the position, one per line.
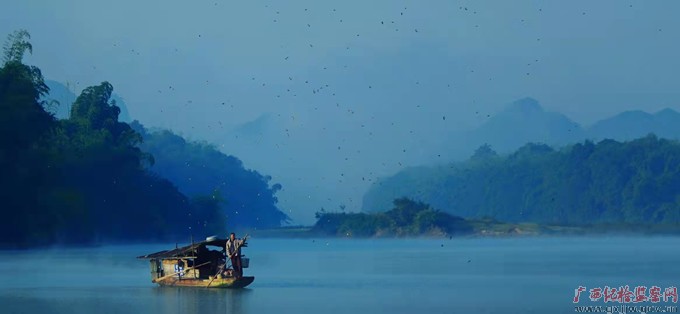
(327, 98)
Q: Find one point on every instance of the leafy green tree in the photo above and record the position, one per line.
(16, 46)
(609, 182)
(86, 178)
(405, 211)
(407, 218)
(24, 130)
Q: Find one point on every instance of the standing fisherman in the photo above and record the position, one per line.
(233, 250)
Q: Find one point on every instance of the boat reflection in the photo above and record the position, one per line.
(197, 300)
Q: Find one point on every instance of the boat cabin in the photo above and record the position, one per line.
(198, 264)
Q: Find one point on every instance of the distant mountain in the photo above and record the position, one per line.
(260, 128)
(65, 98)
(124, 114)
(520, 122)
(62, 94)
(525, 121)
(634, 124)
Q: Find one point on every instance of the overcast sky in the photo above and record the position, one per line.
(328, 97)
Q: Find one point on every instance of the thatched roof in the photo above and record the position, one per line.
(186, 251)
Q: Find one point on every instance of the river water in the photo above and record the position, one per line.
(471, 275)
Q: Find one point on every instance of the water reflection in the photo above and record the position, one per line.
(200, 300)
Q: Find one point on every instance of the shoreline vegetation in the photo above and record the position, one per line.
(414, 219)
(494, 229)
(632, 182)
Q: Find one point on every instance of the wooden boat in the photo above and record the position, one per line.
(196, 265)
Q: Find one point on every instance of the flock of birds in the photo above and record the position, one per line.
(294, 87)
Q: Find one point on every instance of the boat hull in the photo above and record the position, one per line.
(224, 283)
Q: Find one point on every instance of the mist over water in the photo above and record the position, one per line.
(472, 275)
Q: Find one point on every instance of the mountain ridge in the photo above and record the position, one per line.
(527, 121)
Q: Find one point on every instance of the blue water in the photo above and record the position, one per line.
(514, 275)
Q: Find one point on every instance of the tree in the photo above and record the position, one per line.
(24, 119)
(484, 152)
(24, 130)
(405, 211)
(85, 178)
(16, 45)
(631, 182)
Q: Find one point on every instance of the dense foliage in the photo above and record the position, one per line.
(407, 218)
(612, 182)
(85, 179)
(249, 201)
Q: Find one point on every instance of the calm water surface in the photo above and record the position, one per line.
(516, 275)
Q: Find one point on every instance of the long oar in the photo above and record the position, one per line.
(242, 243)
(190, 268)
(221, 268)
(225, 262)
(239, 247)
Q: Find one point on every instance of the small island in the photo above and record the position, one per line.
(409, 218)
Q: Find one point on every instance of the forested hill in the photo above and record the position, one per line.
(84, 179)
(60, 99)
(246, 196)
(608, 181)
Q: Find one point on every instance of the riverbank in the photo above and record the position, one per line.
(489, 228)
